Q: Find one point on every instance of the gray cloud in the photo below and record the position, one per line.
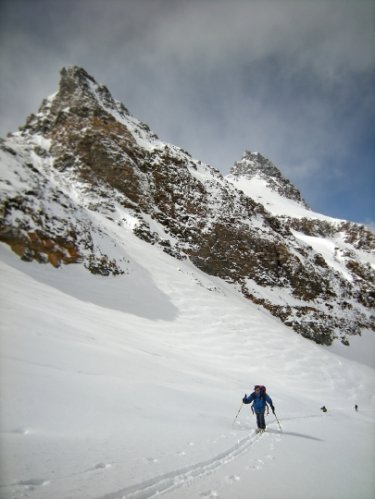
(291, 79)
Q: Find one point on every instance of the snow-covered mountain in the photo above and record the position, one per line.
(83, 156)
(136, 291)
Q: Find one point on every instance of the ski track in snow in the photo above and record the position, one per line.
(182, 477)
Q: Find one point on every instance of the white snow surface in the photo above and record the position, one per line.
(257, 188)
(128, 387)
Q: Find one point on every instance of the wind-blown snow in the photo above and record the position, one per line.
(129, 387)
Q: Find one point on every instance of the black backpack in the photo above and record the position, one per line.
(262, 390)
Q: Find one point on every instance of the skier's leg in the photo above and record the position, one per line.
(259, 422)
(262, 421)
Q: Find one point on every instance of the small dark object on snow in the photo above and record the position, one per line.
(324, 408)
(356, 407)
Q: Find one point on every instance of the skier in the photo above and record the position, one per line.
(260, 400)
(324, 408)
(356, 407)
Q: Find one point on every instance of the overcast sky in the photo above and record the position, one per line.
(292, 79)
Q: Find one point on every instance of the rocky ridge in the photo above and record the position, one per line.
(83, 156)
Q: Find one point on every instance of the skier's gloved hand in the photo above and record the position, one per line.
(244, 400)
(273, 408)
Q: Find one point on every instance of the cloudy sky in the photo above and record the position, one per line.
(292, 79)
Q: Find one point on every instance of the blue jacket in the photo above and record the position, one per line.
(260, 400)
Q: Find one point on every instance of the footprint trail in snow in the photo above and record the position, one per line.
(183, 476)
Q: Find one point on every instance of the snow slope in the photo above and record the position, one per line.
(129, 387)
(258, 188)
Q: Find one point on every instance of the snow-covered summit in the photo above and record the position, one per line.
(260, 179)
(79, 94)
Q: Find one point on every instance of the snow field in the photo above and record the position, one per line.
(129, 386)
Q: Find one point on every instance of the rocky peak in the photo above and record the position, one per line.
(253, 164)
(78, 94)
(76, 89)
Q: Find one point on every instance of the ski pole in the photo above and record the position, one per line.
(278, 422)
(237, 414)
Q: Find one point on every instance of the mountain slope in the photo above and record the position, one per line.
(83, 155)
(129, 387)
(343, 248)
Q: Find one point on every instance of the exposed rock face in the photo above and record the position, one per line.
(83, 156)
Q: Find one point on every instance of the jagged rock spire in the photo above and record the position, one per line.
(79, 94)
(254, 164)
(76, 84)
(74, 88)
